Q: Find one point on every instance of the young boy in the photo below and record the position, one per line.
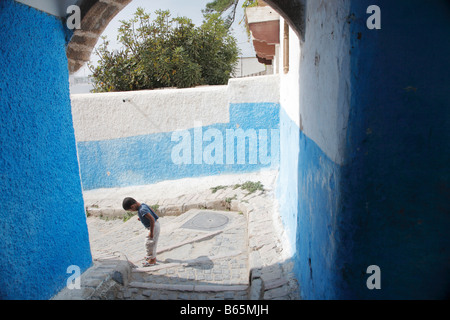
(150, 221)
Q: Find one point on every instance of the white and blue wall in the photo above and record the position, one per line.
(42, 221)
(139, 138)
(370, 148)
(314, 122)
(287, 184)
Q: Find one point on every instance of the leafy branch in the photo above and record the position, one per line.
(166, 52)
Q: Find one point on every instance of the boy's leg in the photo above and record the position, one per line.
(151, 244)
(155, 241)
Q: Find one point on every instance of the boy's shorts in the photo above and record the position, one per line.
(151, 244)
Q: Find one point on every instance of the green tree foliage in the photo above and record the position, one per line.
(166, 52)
(230, 6)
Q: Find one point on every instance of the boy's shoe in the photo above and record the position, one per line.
(148, 262)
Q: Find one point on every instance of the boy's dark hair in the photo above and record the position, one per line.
(127, 203)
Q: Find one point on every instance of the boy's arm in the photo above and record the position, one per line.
(152, 224)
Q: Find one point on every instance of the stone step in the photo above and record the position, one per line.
(224, 199)
(189, 287)
(102, 281)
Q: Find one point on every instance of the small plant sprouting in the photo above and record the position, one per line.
(228, 200)
(217, 188)
(250, 186)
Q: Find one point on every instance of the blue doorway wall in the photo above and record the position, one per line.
(42, 221)
(384, 200)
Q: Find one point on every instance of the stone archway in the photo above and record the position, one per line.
(95, 17)
(97, 14)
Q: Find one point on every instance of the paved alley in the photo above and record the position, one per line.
(218, 241)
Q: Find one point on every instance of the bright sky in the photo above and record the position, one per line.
(191, 9)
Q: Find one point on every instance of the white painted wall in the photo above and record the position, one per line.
(314, 99)
(289, 82)
(324, 112)
(287, 188)
(254, 89)
(133, 138)
(247, 66)
(107, 116)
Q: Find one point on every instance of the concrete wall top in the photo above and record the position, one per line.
(254, 89)
(105, 116)
(146, 112)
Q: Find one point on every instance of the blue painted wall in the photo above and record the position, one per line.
(311, 216)
(42, 221)
(397, 187)
(148, 159)
(387, 203)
